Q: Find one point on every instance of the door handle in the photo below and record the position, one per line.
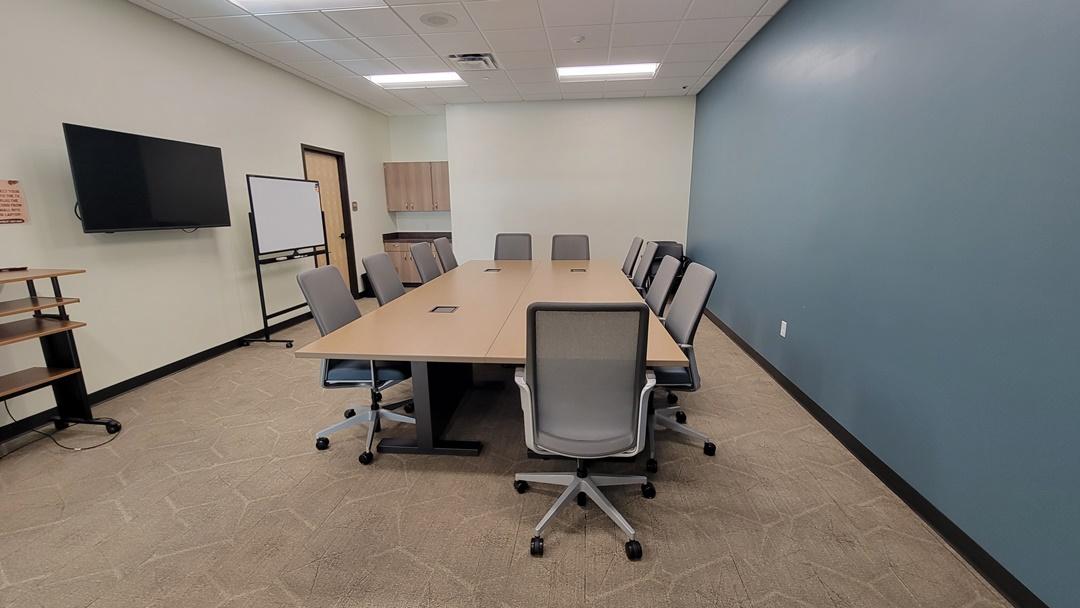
(341, 236)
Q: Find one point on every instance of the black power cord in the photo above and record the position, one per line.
(76, 210)
(51, 438)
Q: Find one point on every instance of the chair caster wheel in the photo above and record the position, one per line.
(409, 408)
(321, 443)
(680, 417)
(651, 466)
(710, 448)
(366, 458)
(112, 428)
(536, 547)
(672, 398)
(582, 499)
(648, 490)
(349, 413)
(633, 550)
(521, 486)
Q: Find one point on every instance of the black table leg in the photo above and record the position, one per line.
(437, 390)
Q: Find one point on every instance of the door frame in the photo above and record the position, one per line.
(346, 210)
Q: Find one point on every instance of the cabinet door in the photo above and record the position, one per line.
(440, 186)
(396, 186)
(409, 273)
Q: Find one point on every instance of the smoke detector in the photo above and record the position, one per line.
(471, 62)
(438, 19)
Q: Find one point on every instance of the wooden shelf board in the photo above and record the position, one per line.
(14, 307)
(31, 378)
(30, 274)
(28, 329)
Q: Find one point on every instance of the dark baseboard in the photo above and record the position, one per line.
(24, 425)
(992, 570)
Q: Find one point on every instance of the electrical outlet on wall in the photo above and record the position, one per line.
(783, 329)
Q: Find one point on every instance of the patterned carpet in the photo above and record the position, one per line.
(214, 496)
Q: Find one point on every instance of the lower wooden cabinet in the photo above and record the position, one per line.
(403, 261)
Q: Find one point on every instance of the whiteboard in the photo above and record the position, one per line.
(287, 213)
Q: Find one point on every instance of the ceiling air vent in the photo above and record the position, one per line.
(471, 62)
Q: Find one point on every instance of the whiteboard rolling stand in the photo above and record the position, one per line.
(287, 224)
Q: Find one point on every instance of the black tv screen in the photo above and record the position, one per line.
(133, 182)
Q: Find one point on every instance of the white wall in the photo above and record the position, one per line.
(151, 298)
(611, 169)
(419, 138)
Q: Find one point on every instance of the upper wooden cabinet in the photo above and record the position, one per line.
(420, 186)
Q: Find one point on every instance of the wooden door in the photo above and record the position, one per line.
(440, 186)
(323, 168)
(408, 186)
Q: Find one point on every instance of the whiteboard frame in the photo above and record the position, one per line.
(255, 218)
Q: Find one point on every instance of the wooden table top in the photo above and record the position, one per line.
(15, 276)
(489, 323)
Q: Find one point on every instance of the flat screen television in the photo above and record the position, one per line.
(129, 182)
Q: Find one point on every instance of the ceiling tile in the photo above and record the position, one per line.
(657, 84)
(705, 51)
(732, 49)
(682, 70)
(576, 12)
(592, 95)
(752, 28)
(665, 93)
(538, 75)
(399, 46)
(459, 20)
(591, 36)
(418, 96)
(710, 30)
(150, 6)
(369, 67)
(206, 31)
(370, 22)
(627, 85)
(582, 87)
(643, 34)
(518, 40)
(572, 57)
(542, 96)
(306, 26)
(200, 8)
(638, 54)
(772, 7)
(434, 109)
(457, 94)
(636, 11)
(458, 42)
(617, 94)
(485, 77)
(348, 48)
(288, 6)
(524, 60)
(243, 29)
(713, 9)
(288, 52)
(539, 88)
(505, 14)
(496, 92)
(421, 65)
(323, 70)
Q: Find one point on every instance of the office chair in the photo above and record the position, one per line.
(425, 262)
(660, 287)
(641, 271)
(585, 393)
(446, 253)
(631, 256)
(383, 278)
(681, 321)
(333, 307)
(570, 247)
(513, 246)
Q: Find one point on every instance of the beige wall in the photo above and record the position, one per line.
(151, 298)
(611, 169)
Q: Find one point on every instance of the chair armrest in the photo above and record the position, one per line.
(695, 378)
(526, 407)
(643, 409)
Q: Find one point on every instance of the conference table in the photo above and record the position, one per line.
(474, 314)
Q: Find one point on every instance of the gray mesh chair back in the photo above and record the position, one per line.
(631, 256)
(689, 303)
(660, 287)
(446, 253)
(641, 271)
(570, 247)
(586, 369)
(383, 278)
(328, 298)
(425, 261)
(513, 246)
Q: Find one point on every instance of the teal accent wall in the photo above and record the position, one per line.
(900, 181)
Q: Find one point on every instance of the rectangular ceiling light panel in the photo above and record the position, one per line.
(600, 73)
(418, 81)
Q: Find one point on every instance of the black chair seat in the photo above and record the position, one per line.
(673, 376)
(355, 370)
